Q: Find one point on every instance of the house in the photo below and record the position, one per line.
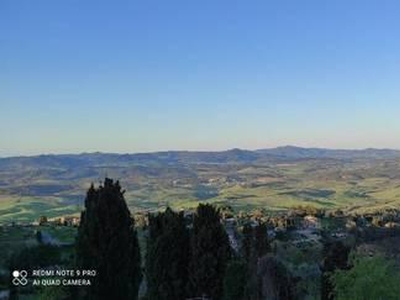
(392, 225)
(70, 221)
(311, 222)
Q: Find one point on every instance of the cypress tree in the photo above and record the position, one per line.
(235, 280)
(276, 280)
(251, 285)
(255, 245)
(336, 256)
(262, 246)
(211, 252)
(167, 257)
(247, 242)
(107, 242)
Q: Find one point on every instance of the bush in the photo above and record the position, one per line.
(370, 278)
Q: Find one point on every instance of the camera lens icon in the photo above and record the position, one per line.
(20, 277)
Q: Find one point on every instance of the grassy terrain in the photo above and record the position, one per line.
(28, 209)
(357, 185)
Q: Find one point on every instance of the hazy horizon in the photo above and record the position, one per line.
(143, 77)
(190, 150)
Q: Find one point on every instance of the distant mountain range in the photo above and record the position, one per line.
(285, 153)
(298, 152)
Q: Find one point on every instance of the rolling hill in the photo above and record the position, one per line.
(274, 179)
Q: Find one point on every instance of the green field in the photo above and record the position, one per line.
(356, 185)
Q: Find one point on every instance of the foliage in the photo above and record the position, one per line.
(303, 210)
(210, 253)
(254, 245)
(276, 280)
(54, 292)
(167, 256)
(370, 278)
(335, 257)
(261, 240)
(107, 242)
(235, 280)
(35, 257)
(32, 258)
(247, 242)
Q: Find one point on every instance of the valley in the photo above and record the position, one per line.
(272, 179)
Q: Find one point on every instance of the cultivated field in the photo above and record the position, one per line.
(56, 186)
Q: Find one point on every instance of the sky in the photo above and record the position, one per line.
(137, 76)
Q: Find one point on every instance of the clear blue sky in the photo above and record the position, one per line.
(132, 76)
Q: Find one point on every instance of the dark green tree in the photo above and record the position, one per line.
(39, 237)
(261, 246)
(167, 257)
(247, 242)
(107, 242)
(235, 280)
(248, 252)
(210, 253)
(276, 281)
(336, 256)
(35, 257)
(255, 244)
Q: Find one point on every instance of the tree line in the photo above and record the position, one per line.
(182, 260)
